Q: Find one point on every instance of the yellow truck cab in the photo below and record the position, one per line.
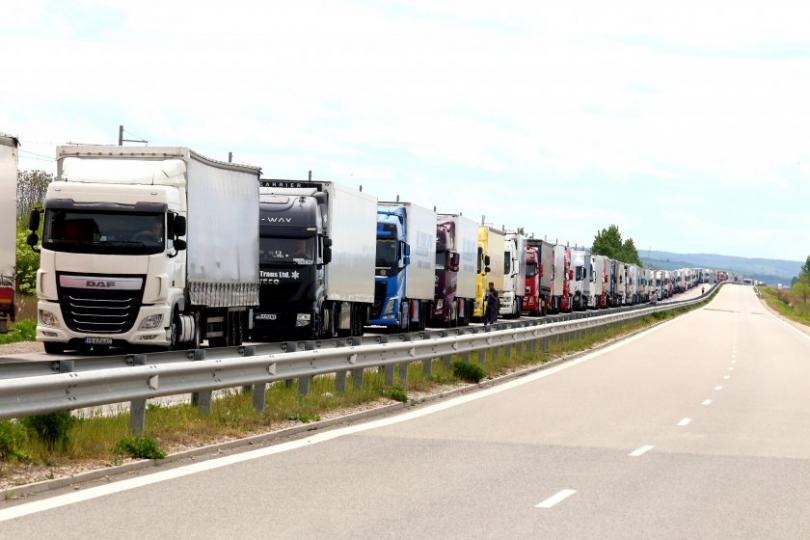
(491, 248)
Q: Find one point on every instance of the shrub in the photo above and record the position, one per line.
(397, 394)
(20, 331)
(140, 447)
(53, 429)
(303, 417)
(13, 438)
(467, 371)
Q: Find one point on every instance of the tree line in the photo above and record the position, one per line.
(609, 242)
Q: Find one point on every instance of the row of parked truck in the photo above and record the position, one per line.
(164, 247)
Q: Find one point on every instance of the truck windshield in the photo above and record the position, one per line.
(287, 250)
(387, 253)
(80, 231)
(531, 269)
(441, 260)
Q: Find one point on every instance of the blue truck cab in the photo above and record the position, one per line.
(403, 284)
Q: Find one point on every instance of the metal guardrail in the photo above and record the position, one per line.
(256, 367)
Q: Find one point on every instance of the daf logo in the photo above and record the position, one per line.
(100, 284)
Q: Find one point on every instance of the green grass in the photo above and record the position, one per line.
(231, 416)
(786, 304)
(20, 331)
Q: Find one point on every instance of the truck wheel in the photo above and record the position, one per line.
(54, 348)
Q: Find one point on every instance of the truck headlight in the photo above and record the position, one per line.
(150, 322)
(46, 318)
(303, 319)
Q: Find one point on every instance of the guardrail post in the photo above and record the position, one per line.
(427, 367)
(403, 374)
(303, 385)
(357, 378)
(201, 399)
(389, 375)
(340, 381)
(446, 360)
(137, 407)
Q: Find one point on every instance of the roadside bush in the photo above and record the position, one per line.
(467, 371)
(13, 438)
(140, 447)
(397, 394)
(53, 428)
(27, 264)
(304, 418)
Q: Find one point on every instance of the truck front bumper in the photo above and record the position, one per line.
(51, 327)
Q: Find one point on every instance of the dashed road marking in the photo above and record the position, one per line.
(641, 450)
(706, 402)
(684, 422)
(726, 377)
(718, 388)
(555, 499)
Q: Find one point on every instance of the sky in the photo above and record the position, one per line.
(685, 124)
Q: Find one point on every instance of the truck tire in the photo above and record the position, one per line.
(54, 348)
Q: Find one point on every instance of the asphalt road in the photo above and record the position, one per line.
(695, 429)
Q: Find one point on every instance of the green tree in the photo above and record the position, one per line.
(801, 287)
(31, 188)
(609, 242)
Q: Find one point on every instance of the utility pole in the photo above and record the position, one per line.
(122, 140)
(230, 157)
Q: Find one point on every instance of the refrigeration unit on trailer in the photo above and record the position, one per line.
(154, 246)
(404, 283)
(561, 282)
(514, 275)
(8, 228)
(456, 272)
(537, 299)
(318, 243)
(490, 267)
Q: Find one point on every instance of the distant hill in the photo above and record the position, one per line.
(767, 270)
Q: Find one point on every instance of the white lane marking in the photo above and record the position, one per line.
(706, 402)
(684, 422)
(217, 463)
(555, 499)
(641, 450)
(726, 377)
(731, 369)
(718, 388)
(733, 361)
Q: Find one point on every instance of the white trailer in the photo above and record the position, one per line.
(8, 228)
(514, 275)
(601, 276)
(153, 246)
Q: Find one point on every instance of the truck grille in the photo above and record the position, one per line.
(99, 312)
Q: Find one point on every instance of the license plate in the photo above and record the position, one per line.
(98, 341)
(266, 316)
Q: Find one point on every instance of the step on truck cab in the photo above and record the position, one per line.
(317, 252)
(490, 269)
(455, 270)
(8, 228)
(561, 294)
(514, 275)
(154, 246)
(404, 281)
(545, 269)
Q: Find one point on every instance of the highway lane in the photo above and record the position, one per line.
(697, 428)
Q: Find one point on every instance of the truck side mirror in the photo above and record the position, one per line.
(179, 226)
(455, 260)
(327, 250)
(180, 245)
(486, 262)
(33, 221)
(33, 240)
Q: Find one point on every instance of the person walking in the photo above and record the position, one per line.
(491, 308)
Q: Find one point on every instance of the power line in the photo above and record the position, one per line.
(36, 154)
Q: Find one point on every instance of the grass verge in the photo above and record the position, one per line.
(786, 304)
(20, 331)
(103, 440)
